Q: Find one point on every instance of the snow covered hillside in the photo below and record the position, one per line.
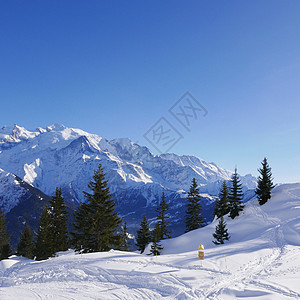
(260, 261)
(57, 156)
(273, 224)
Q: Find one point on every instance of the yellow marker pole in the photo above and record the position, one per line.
(201, 253)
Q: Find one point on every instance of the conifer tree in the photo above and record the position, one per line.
(82, 227)
(264, 183)
(26, 245)
(162, 218)
(143, 235)
(5, 250)
(222, 204)
(125, 244)
(156, 246)
(44, 243)
(221, 233)
(58, 222)
(193, 217)
(96, 221)
(235, 196)
(217, 212)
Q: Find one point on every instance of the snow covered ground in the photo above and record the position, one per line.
(261, 261)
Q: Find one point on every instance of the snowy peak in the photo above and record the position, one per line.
(11, 190)
(82, 142)
(209, 171)
(15, 134)
(56, 127)
(124, 143)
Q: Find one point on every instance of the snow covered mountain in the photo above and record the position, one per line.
(57, 156)
(260, 261)
(22, 203)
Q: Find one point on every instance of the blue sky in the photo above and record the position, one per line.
(115, 67)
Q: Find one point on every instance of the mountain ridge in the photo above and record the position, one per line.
(26, 151)
(58, 156)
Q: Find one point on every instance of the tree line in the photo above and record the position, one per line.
(97, 226)
(230, 201)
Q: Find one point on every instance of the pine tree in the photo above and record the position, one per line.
(82, 226)
(58, 222)
(143, 235)
(156, 246)
(222, 204)
(162, 218)
(44, 243)
(96, 222)
(125, 244)
(5, 250)
(217, 209)
(26, 245)
(264, 183)
(193, 218)
(221, 233)
(235, 196)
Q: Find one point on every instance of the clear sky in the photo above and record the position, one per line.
(116, 67)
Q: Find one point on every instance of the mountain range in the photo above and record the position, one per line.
(58, 156)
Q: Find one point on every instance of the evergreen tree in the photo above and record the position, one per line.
(82, 227)
(222, 205)
(221, 233)
(162, 218)
(193, 218)
(5, 251)
(58, 222)
(125, 244)
(235, 196)
(26, 245)
(96, 222)
(44, 243)
(156, 246)
(217, 212)
(143, 235)
(264, 183)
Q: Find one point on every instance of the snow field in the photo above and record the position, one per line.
(260, 261)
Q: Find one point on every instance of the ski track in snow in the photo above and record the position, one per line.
(135, 282)
(250, 274)
(141, 278)
(262, 262)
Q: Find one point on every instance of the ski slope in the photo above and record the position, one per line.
(261, 261)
